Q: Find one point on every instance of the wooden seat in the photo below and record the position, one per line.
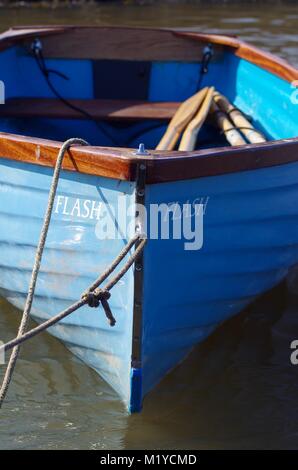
(99, 109)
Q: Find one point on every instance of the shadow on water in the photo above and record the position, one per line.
(55, 401)
(236, 390)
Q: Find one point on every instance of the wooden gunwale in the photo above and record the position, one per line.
(19, 34)
(267, 61)
(162, 166)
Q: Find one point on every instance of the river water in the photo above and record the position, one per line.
(238, 389)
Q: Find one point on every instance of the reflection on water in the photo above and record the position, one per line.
(238, 389)
(55, 401)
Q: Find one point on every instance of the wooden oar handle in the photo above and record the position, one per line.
(232, 135)
(169, 139)
(182, 117)
(240, 121)
(189, 138)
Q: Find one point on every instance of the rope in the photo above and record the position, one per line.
(224, 131)
(234, 108)
(38, 55)
(92, 297)
(38, 256)
(207, 56)
(242, 128)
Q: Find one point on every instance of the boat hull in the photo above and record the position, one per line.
(74, 257)
(173, 297)
(250, 240)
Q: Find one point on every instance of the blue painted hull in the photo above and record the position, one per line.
(73, 259)
(250, 242)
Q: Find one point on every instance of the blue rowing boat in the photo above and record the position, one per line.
(221, 221)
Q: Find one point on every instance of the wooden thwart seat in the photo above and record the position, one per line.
(117, 110)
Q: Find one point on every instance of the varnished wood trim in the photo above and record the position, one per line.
(114, 43)
(16, 35)
(213, 162)
(112, 163)
(253, 54)
(123, 43)
(141, 44)
(161, 166)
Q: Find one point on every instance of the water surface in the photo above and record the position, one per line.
(238, 389)
(272, 25)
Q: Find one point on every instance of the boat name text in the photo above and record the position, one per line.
(164, 221)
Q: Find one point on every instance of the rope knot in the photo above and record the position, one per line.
(97, 297)
(102, 294)
(94, 298)
(91, 299)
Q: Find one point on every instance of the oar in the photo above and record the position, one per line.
(239, 120)
(232, 135)
(183, 115)
(190, 135)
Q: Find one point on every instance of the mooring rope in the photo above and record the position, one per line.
(38, 256)
(93, 297)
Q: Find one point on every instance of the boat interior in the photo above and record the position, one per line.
(119, 87)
